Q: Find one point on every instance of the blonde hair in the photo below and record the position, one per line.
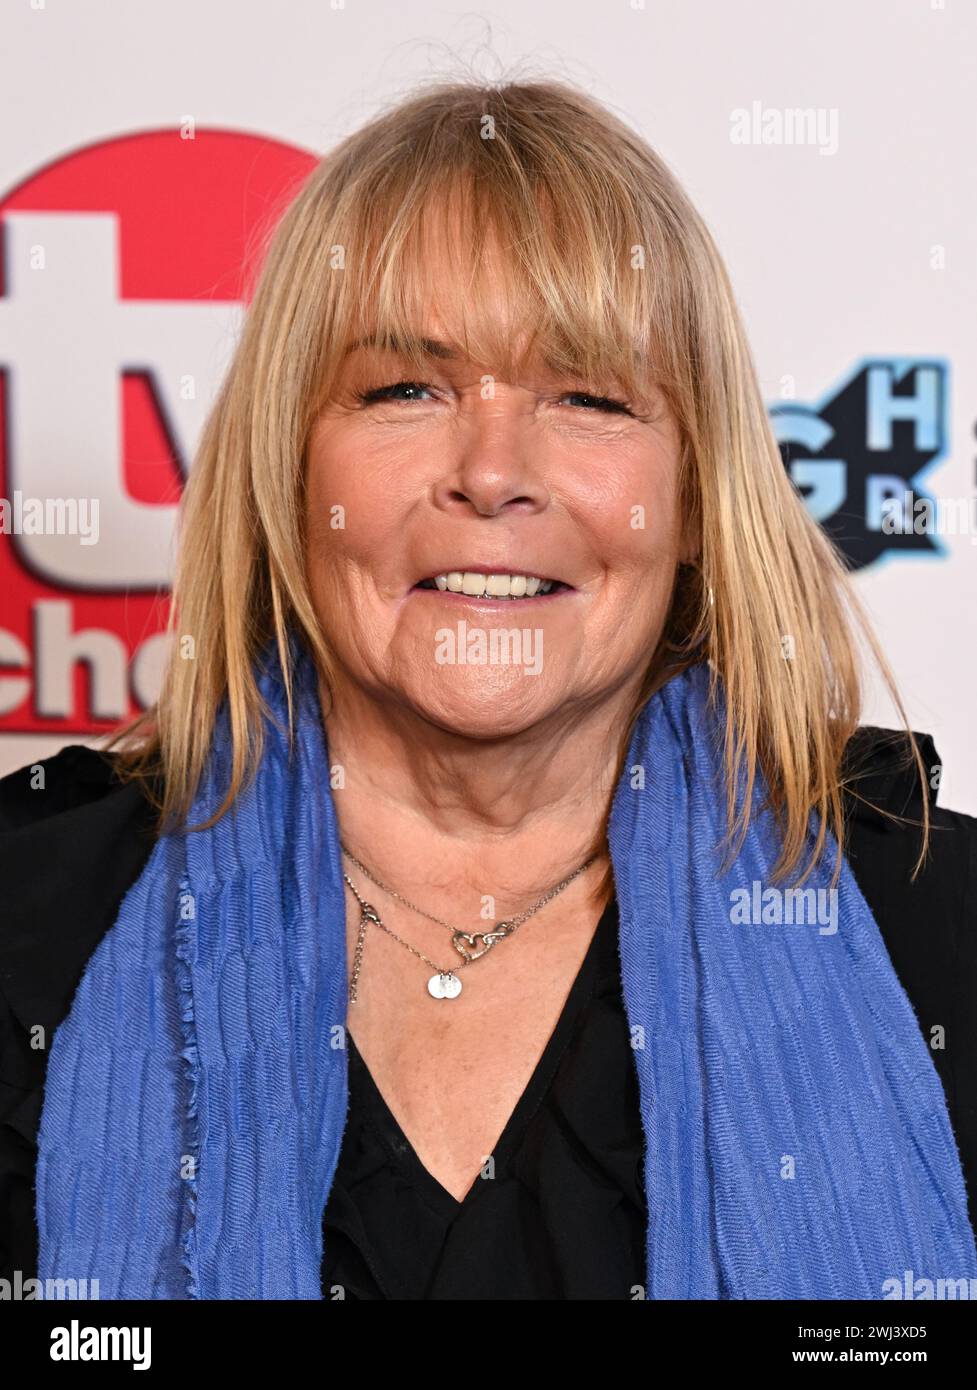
(614, 277)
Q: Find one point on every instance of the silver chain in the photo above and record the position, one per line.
(511, 922)
(370, 914)
(461, 940)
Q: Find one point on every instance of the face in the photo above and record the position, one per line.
(490, 554)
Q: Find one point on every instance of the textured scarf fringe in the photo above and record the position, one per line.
(185, 944)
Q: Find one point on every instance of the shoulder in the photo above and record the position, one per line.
(885, 799)
(76, 776)
(78, 782)
(73, 837)
(928, 924)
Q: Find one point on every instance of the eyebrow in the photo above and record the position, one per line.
(430, 347)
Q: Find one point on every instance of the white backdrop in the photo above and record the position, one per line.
(853, 244)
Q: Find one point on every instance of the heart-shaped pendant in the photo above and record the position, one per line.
(488, 940)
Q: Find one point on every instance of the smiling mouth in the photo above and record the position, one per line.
(493, 585)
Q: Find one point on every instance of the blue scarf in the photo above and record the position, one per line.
(798, 1143)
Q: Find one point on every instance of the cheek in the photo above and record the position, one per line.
(326, 509)
(641, 528)
(325, 529)
(349, 529)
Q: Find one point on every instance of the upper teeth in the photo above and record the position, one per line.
(495, 585)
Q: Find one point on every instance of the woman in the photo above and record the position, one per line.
(493, 938)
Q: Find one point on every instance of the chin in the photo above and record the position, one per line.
(485, 712)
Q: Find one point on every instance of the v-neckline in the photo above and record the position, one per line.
(378, 1113)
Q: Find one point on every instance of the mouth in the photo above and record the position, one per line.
(493, 584)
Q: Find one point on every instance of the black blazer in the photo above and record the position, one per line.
(69, 853)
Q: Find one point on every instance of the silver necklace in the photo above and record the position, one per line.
(443, 984)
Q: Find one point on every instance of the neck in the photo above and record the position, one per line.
(454, 818)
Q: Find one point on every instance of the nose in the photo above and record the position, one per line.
(492, 471)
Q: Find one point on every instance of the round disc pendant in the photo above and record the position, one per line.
(444, 986)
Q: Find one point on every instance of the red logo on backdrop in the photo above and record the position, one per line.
(123, 285)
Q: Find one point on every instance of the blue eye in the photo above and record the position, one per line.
(398, 391)
(386, 393)
(599, 402)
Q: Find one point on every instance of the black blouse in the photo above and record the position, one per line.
(564, 1215)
